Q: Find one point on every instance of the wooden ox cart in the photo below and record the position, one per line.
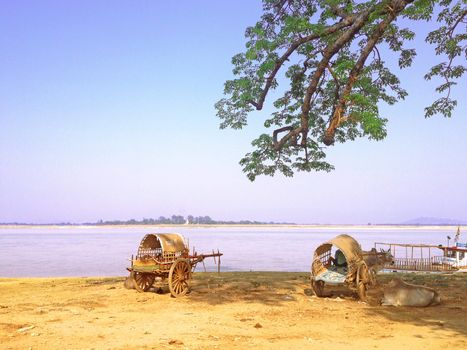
(165, 256)
(340, 261)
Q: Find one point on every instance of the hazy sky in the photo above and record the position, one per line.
(106, 112)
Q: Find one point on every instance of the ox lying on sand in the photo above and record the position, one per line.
(400, 293)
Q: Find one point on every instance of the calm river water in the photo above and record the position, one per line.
(101, 251)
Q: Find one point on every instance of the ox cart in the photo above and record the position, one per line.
(341, 261)
(166, 256)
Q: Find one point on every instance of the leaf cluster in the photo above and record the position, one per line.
(326, 56)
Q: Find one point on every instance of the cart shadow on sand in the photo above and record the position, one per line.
(270, 288)
(292, 288)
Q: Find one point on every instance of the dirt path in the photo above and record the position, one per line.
(228, 311)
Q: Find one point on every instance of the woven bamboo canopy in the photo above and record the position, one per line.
(168, 242)
(348, 245)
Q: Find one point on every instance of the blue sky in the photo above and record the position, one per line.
(107, 113)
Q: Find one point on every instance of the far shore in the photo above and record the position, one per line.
(451, 228)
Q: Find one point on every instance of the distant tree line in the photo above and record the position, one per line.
(162, 220)
(179, 220)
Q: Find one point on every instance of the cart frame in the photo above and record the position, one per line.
(166, 256)
(356, 275)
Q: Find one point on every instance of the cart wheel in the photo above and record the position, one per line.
(317, 287)
(179, 277)
(143, 281)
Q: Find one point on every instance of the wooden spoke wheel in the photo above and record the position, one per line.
(317, 287)
(143, 281)
(179, 277)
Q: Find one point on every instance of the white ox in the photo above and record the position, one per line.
(400, 293)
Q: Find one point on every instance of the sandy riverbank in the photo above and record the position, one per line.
(253, 310)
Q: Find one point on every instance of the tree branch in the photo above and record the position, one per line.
(303, 128)
(292, 133)
(329, 30)
(328, 53)
(396, 6)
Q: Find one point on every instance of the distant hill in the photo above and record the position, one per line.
(434, 221)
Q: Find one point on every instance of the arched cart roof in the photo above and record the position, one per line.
(347, 244)
(169, 242)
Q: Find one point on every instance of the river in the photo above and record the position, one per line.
(54, 251)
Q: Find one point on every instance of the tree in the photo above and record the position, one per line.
(329, 52)
(190, 219)
(177, 219)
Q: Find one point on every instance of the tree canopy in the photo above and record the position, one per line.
(324, 59)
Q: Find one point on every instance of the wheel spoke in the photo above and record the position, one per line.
(179, 274)
(143, 281)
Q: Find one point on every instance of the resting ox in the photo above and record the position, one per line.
(399, 293)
